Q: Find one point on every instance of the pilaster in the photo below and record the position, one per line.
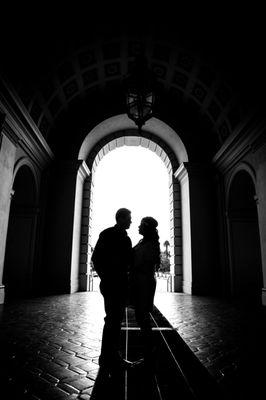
(7, 161)
(199, 233)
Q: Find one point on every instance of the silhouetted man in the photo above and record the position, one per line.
(111, 258)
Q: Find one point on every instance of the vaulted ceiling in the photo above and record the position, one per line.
(213, 70)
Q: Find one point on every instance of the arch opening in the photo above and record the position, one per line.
(244, 239)
(19, 255)
(168, 146)
(153, 126)
(136, 178)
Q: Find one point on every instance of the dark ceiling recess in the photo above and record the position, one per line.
(209, 62)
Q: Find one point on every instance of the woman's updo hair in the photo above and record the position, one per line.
(150, 223)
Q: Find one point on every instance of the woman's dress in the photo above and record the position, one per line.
(142, 277)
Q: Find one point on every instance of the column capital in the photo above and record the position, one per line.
(12, 192)
(84, 170)
(181, 172)
(73, 167)
(192, 169)
(2, 293)
(263, 296)
(2, 120)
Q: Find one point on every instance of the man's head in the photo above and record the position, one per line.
(123, 218)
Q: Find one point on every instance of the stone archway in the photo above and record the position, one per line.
(20, 246)
(159, 138)
(243, 236)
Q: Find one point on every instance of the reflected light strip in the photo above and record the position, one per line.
(126, 353)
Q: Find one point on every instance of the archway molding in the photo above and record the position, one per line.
(245, 262)
(122, 122)
(157, 137)
(243, 166)
(24, 161)
(22, 227)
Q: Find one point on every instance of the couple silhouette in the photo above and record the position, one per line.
(127, 275)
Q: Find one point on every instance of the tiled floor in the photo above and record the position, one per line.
(229, 338)
(50, 345)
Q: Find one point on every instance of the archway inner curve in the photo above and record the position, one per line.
(151, 142)
(244, 240)
(121, 122)
(20, 247)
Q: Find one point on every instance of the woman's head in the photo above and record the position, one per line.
(148, 226)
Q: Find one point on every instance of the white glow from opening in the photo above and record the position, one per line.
(135, 178)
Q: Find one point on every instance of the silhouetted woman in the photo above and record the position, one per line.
(146, 261)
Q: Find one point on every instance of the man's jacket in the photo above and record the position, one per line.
(112, 254)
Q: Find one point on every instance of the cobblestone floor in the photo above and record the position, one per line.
(50, 345)
(229, 338)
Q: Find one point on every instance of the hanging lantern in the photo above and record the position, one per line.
(140, 95)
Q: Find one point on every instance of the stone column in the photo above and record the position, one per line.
(79, 274)
(7, 161)
(176, 268)
(199, 232)
(182, 176)
(85, 248)
(224, 254)
(261, 204)
(64, 230)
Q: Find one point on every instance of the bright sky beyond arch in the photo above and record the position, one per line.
(135, 178)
